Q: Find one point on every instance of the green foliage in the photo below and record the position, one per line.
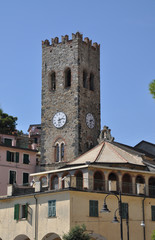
(7, 123)
(153, 235)
(152, 88)
(77, 233)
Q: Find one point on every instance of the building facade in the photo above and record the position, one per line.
(17, 161)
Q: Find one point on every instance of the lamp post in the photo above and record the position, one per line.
(105, 209)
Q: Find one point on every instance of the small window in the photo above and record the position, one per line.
(20, 211)
(53, 81)
(84, 79)
(67, 77)
(25, 178)
(12, 156)
(91, 82)
(26, 158)
(93, 208)
(153, 212)
(52, 208)
(124, 210)
(12, 177)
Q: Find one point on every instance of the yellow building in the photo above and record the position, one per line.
(75, 195)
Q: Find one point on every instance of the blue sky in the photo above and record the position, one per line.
(126, 32)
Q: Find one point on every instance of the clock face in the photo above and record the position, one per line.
(90, 121)
(59, 119)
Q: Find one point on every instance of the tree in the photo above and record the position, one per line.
(153, 235)
(77, 233)
(7, 123)
(152, 88)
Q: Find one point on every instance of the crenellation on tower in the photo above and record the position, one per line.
(65, 39)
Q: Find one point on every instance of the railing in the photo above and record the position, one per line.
(106, 186)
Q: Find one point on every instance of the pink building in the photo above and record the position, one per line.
(17, 161)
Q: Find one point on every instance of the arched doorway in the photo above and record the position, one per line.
(54, 182)
(152, 187)
(79, 180)
(139, 182)
(95, 236)
(98, 181)
(22, 237)
(113, 182)
(51, 236)
(126, 183)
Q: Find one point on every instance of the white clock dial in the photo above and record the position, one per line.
(90, 121)
(59, 119)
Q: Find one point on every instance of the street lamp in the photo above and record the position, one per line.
(105, 209)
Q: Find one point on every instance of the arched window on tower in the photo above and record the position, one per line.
(53, 81)
(67, 77)
(59, 150)
(91, 82)
(62, 151)
(84, 79)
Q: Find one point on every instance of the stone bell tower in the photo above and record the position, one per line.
(70, 98)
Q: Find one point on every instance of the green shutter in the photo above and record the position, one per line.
(153, 212)
(16, 212)
(124, 210)
(17, 156)
(26, 211)
(93, 208)
(8, 156)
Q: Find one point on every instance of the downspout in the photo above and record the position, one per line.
(143, 212)
(36, 219)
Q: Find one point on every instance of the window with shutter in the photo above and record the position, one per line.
(124, 210)
(52, 208)
(20, 211)
(153, 212)
(93, 208)
(8, 156)
(12, 177)
(26, 158)
(8, 142)
(25, 178)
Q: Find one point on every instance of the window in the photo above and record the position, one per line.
(12, 156)
(20, 211)
(25, 178)
(26, 158)
(124, 210)
(12, 177)
(53, 81)
(84, 79)
(91, 82)
(67, 77)
(153, 212)
(59, 151)
(62, 151)
(93, 208)
(8, 142)
(52, 208)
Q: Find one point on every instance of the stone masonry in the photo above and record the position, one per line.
(75, 101)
